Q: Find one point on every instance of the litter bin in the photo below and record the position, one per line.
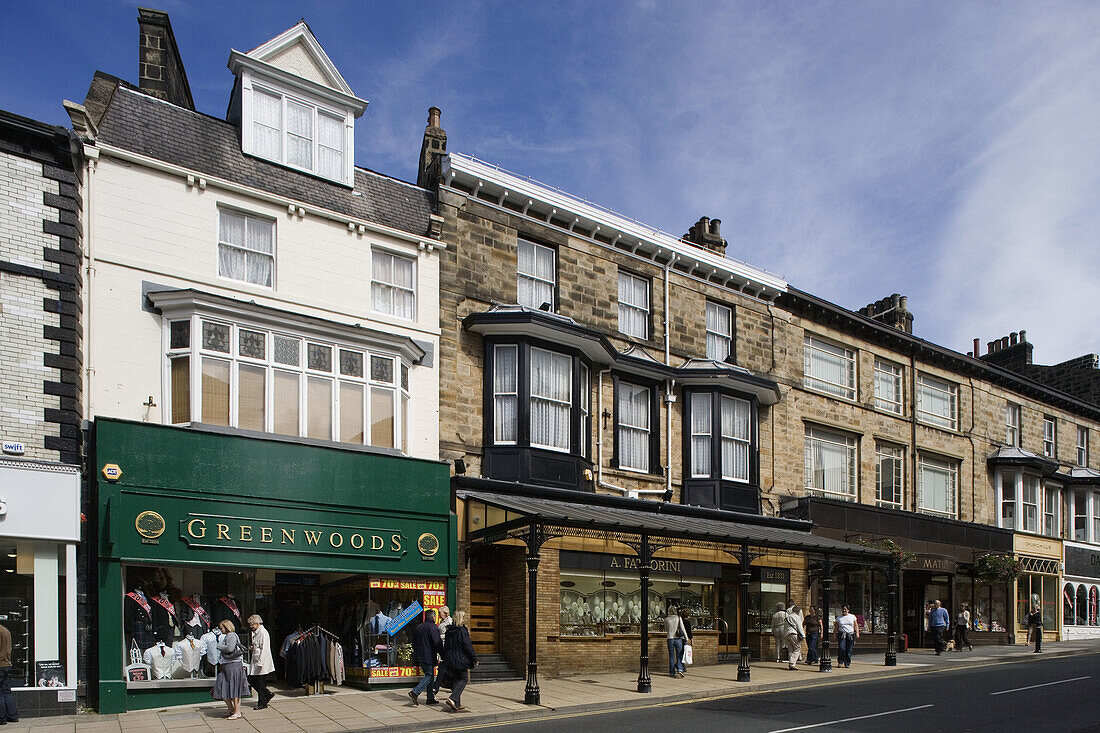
(903, 644)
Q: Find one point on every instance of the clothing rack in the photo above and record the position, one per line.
(319, 687)
(316, 629)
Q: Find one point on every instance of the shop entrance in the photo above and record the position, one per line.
(920, 589)
(729, 594)
(484, 602)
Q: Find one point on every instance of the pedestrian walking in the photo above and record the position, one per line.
(426, 647)
(779, 624)
(962, 628)
(685, 618)
(812, 628)
(262, 663)
(444, 624)
(8, 711)
(938, 621)
(231, 684)
(459, 657)
(792, 637)
(847, 631)
(675, 634)
(1035, 627)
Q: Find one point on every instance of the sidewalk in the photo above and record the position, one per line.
(491, 702)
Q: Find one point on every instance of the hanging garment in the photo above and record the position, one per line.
(165, 621)
(210, 641)
(161, 659)
(138, 616)
(189, 651)
(290, 639)
(196, 618)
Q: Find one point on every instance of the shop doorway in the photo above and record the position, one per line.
(919, 590)
(729, 593)
(485, 602)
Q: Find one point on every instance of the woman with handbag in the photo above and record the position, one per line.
(232, 683)
(459, 657)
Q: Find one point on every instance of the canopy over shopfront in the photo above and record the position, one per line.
(498, 511)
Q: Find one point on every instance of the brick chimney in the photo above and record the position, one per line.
(1011, 352)
(432, 151)
(160, 68)
(706, 234)
(893, 311)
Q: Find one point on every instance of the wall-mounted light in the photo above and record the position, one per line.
(460, 467)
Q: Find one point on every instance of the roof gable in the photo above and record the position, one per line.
(297, 51)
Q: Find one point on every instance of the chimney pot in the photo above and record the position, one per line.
(903, 302)
(716, 227)
(1012, 339)
(1023, 336)
(977, 347)
(989, 346)
(434, 114)
(1004, 342)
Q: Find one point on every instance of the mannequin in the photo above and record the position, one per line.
(162, 659)
(196, 620)
(226, 607)
(210, 662)
(190, 652)
(138, 617)
(164, 615)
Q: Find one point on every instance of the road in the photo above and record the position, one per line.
(1034, 695)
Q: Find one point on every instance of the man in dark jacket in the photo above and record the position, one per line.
(1035, 627)
(426, 647)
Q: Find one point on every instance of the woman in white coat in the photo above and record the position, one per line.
(262, 663)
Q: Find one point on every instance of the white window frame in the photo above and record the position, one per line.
(627, 389)
(196, 351)
(1079, 527)
(1030, 504)
(719, 343)
(393, 287)
(814, 346)
(1082, 446)
(888, 386)
(567, 401)
(896, 453)
(1012, 424)
(825, 436)
(1050, 436)
(1052, 502)
(927, 385)
(1008, 504)
(533, 276)
(318, 110)
(255, 219)
(626, 305)
(947, 466)
(1094, 515)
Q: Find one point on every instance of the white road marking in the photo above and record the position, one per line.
(848, 720)
(1045, 684)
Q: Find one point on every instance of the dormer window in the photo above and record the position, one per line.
(294, 108)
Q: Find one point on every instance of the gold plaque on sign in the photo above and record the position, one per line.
(149, 525)
(427, 544)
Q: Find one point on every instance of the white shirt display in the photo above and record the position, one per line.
(210, 641)
(161, 659)
(190, 651)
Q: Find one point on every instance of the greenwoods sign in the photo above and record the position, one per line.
(266, 535)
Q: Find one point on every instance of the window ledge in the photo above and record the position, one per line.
(949, 431)
(830, 395)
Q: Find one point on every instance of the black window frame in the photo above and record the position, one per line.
(519, 460)
(654, 386)
(723, 493)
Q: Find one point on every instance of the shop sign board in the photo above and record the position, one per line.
(1082, 562)
(216, 531)
(933, 563)
(629, 563)
(1037, 546)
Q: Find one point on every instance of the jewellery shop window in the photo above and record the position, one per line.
(394, 608)
(170, 616)
(598, 603)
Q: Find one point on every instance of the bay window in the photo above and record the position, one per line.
(721, 451)
(1052, 500)
(937, 485)
(1081, 515)
(258, 379)
(937, 402)
(1029, 501)
(830, 463)
(829, 368)
(1008, 499)
(537, 419)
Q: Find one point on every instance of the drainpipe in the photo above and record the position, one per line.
(668, 267)
(670, 400)
(91, 157)
(599, 436)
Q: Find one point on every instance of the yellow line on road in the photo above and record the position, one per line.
(730, 695)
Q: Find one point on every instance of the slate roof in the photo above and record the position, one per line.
(142, 124)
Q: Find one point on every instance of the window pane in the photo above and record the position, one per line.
(381, 369)
(936, 486)
(319, 357)
(701, 419)
(330, 149)
(504, 394)
(231, 228)
(634, 421)
(215, 337)
(215, 391)
(287, 351)
(180, 337)
(381, 417)
(267, 114)
(351, 363)
(286, 403)
(719, 324)
(181, 390)
(252, 344)
(299, 140)
(735, 439)
(250, 397)
(829, 368)
(633, 305)
(830, 462)
(319, 411)
(936, 402)
(351, 412)
(551, 399)
(404, 434)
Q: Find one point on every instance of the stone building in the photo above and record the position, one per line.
(40, 393)
(586, 356)
(261, 326)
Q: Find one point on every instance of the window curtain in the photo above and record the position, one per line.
(701, 419)
(718, 332)
(267, 124)
(830, 470)
(247, 248)
(830, 367)
(936, 401)
(633, 305)
(504, 394)
(735, 439)
(535, 267)
(330, 148)
(633, 427)
(392, 289)
(299, 138)
(937, 487)
(551, 399)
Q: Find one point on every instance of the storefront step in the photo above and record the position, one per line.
(493, 668)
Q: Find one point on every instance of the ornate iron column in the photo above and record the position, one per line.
(826, 664)
(744, 672)
(531, 695)
(644, 683)
(891, 620)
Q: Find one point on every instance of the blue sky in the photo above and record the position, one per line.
(948, 151)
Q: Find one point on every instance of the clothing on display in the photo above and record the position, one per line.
(227, 609)
(315, 656)
(162, 659)
(138, 617)
(196, 618)
(190, 652)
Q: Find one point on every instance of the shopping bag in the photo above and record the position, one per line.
(687, 654)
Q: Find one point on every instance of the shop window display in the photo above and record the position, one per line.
(601, 603)
(990, 610)
(1079, 604)
(1037, 590)
(17, 612)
